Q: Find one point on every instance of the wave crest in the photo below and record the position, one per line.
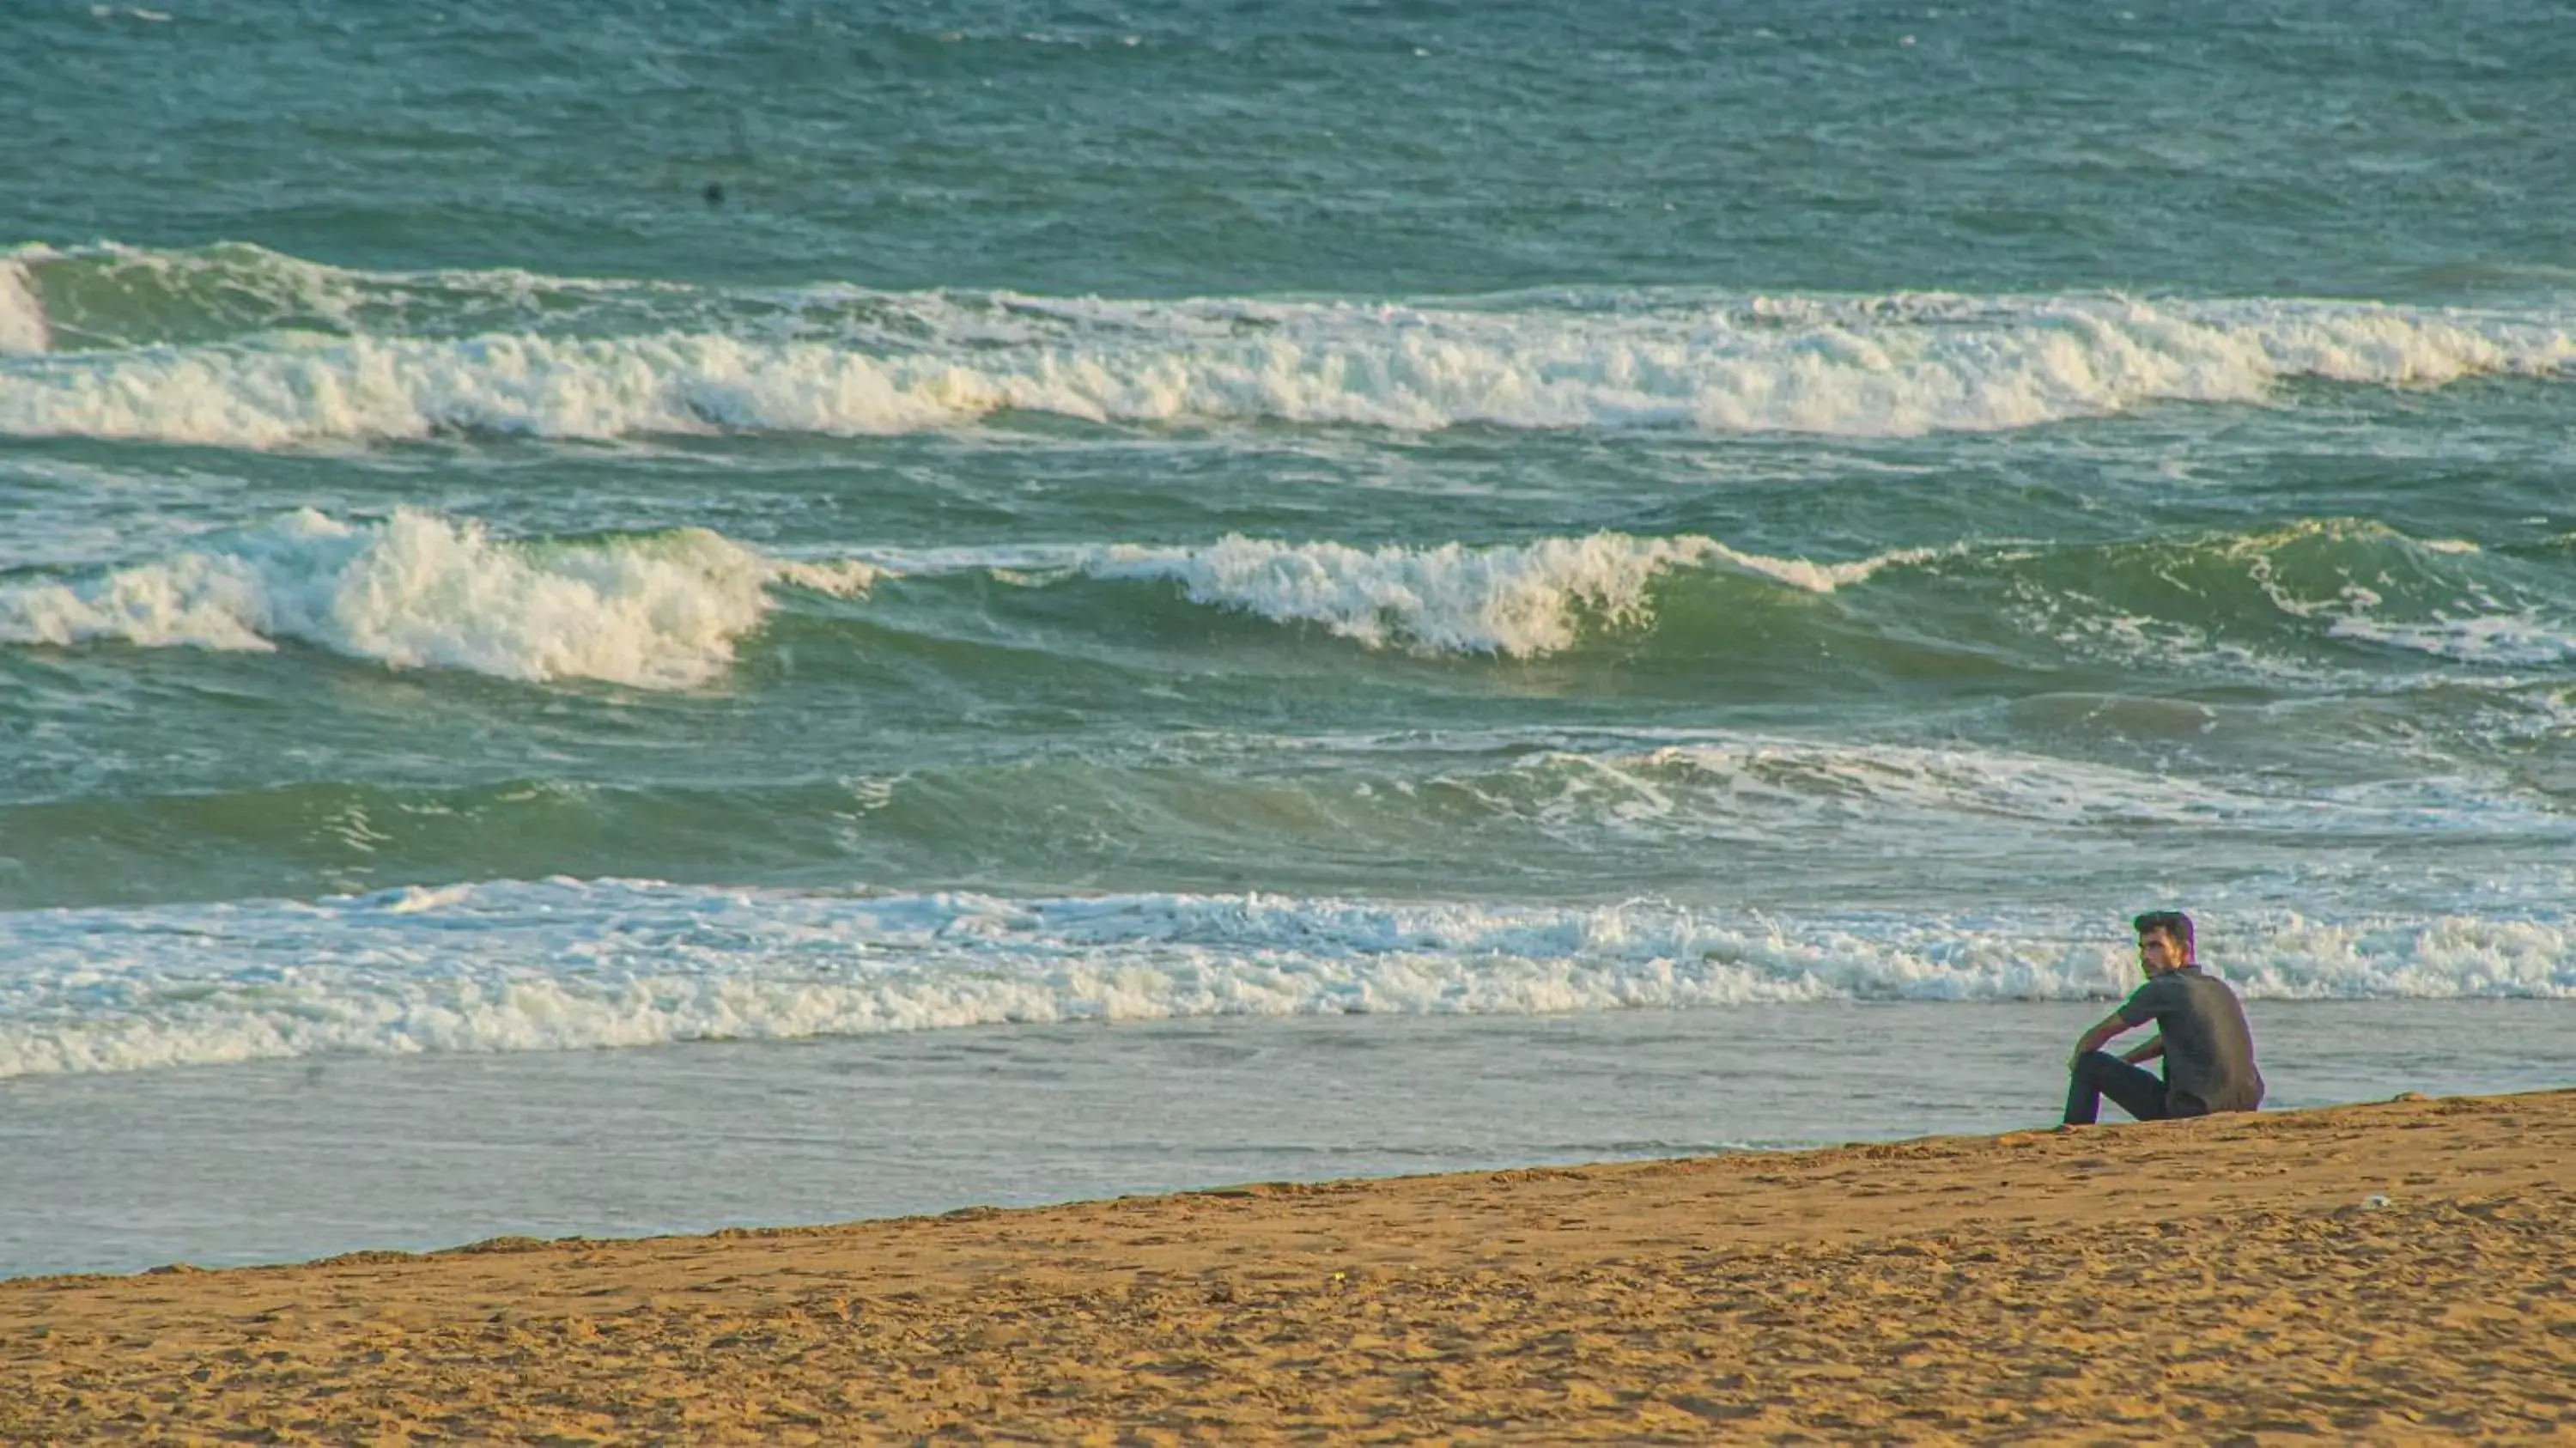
(22, 317)
(417, 590)
(668, 610)
(237, 347)
(1520, 600)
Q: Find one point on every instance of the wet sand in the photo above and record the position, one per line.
(2396, 1272)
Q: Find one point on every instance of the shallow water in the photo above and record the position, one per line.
(285, 1160)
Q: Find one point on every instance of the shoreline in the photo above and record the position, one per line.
(2374, 1272)
(293, 1160)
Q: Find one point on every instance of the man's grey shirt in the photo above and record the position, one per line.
(2209, 1050)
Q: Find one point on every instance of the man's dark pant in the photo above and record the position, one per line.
(2138, 1091)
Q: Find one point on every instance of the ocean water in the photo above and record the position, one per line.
(539, 528)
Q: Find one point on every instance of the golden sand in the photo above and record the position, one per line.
(2401, 1272)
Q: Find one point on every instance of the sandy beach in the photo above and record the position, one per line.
(2386, 1272)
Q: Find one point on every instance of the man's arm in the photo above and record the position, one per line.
(2146, 1051)
(2103, 1030)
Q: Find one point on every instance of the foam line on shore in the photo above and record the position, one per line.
(564, 965)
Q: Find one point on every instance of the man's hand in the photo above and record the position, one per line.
(2092, 1040)
(2146, 1051)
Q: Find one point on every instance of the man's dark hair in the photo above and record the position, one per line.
(2171, 922)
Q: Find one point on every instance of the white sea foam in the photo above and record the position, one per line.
(1516, 599)
(22, 316)
(1891, 366)
(417, 590)
(2520, 640)
(562, 965)
(1754, 790)
(1679, 789)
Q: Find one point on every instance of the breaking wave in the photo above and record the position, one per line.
(22, 319)
(669, 610)
(418, 590)
(1517, 600)
(566, 965)
(666, 610)
(236, 347)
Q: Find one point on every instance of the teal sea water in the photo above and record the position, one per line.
(544, 526)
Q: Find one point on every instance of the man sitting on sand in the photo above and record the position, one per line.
(2201, 1033)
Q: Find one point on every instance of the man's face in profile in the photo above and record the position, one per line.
(2158, 952)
